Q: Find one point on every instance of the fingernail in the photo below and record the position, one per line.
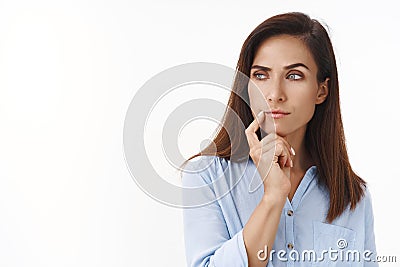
(291, 163)
(294, 153)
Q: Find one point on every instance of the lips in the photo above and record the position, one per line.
(277, 113)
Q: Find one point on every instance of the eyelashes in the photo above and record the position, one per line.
(293, 75)
(290, 76)
(257, 76)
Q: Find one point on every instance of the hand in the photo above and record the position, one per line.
(273, 159)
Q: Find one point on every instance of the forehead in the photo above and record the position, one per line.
(283, 50)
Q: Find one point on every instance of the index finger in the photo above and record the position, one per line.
(253, 127)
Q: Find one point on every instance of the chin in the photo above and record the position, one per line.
(282, 133)
(271, 128)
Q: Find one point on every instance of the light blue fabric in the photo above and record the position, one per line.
(213, 233)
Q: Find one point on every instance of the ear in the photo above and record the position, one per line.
(322, 92)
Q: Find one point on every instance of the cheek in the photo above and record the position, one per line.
(306, 107)
(257, 100)
(254, 96)
(304, 98)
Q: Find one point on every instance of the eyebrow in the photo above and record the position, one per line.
(291, 66)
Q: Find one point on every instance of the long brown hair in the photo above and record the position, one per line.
(325, 138)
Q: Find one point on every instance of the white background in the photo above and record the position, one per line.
(68, 71)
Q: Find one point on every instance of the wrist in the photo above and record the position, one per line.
(278, 200)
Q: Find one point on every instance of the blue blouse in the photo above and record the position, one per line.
(230, 192)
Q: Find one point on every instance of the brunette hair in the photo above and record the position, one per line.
(324, 137)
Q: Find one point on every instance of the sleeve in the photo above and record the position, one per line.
(369, 232)
(206, 236)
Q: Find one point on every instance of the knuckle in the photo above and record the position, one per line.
(282, 143)
(254, 151)
(278, 145)
(278, 149)
(279, 142)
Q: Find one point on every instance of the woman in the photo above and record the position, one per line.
(312, 210)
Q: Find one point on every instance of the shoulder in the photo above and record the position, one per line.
(208, 169)
(200, 180)
(202, 169)
(367, 199)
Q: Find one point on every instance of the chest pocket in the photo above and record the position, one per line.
(334, 245)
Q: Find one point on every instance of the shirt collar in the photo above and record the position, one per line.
(302, 188)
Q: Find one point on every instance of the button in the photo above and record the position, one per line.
(290, 212)
(290, 246)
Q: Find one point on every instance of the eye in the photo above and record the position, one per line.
(294, 76)
(259, 76)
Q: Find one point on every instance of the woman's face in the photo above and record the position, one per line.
(283, 78)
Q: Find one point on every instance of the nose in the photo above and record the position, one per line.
(275, 92)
